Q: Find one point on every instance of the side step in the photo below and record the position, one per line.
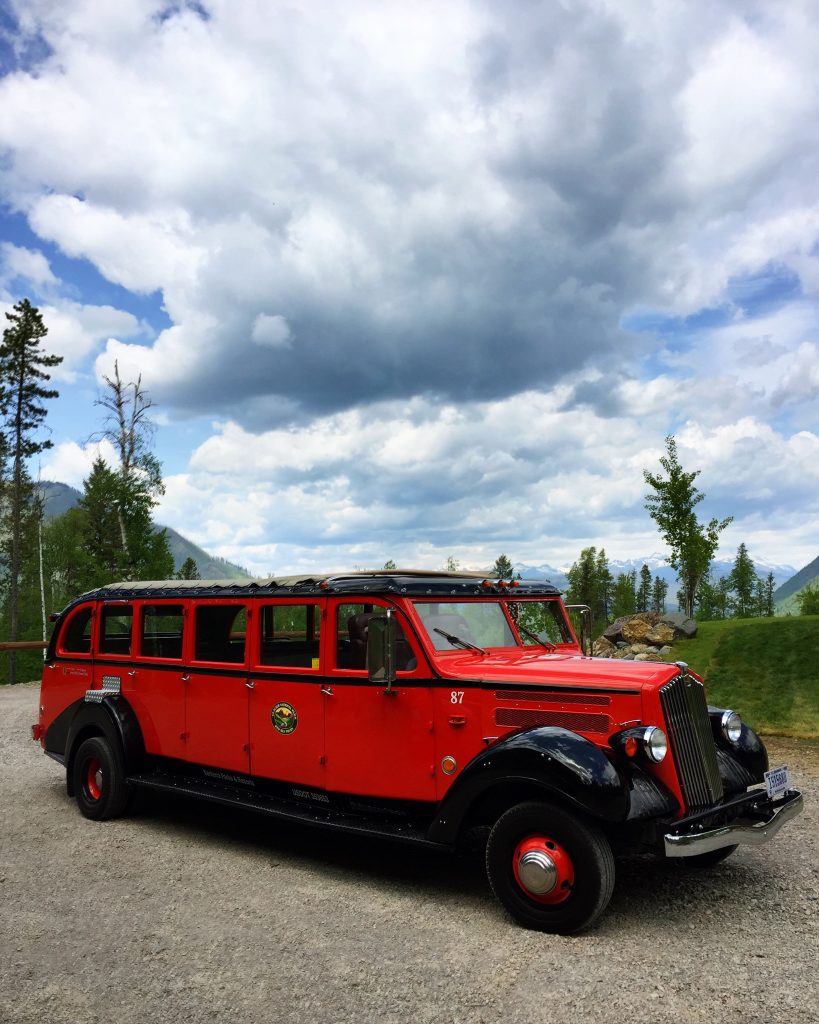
(284, 808)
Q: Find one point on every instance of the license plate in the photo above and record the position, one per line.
(777, 781)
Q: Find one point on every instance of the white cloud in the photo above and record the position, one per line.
(70, 463)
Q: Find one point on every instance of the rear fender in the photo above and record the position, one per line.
(547, 762)
(113, 718)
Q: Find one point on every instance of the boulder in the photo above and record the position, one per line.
(614, 632)
(648, 656)
(684, 628)
(636, 627)
(661, 634)
(603, 648)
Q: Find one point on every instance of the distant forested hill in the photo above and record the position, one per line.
(785, 596)
(59, 498)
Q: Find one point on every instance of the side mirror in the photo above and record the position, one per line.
(381, 636)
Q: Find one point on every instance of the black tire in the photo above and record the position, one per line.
(99, 780)
(587, 849)
(703, 861)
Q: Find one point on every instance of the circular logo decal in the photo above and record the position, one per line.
(284, 718)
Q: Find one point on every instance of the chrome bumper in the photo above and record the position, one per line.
(744, 831)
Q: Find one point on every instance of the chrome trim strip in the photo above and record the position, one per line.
(693, 843)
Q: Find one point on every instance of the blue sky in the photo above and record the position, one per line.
(417, 281)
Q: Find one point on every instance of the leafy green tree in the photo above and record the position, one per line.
(189, 570)
(671, 503)
(452, 564)
(624, 595)
(643, 595)
(742, 580)
(23, 376)
(390, 564)
(808, 600)
(503, 568)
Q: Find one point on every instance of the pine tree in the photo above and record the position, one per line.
(659, 590)
(590, 583)
(502, 569)
(742, 580)
(671, 505)
(189, 570)
(624, 597)
(770, 587)
(643, 597)
(23, 375)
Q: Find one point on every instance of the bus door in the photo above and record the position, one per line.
(217, 687)
(286, 703)
(377, 744)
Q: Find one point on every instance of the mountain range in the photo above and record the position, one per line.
(59, 498)
(658, 564)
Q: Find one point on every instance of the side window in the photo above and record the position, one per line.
(75, 637)
(115, 629)
(221, 632)
(161, 631)
(290, 635)
(352, 620)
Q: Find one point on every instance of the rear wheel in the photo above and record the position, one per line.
(99, 780)
(551, 870)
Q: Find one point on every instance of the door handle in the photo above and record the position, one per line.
(132, 672)
(327, 691)
(250, 685)
(185, 677)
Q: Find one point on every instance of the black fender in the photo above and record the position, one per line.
(743, 763)
(548, 761)
(112, 717)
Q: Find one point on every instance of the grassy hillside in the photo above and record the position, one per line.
(767, 669)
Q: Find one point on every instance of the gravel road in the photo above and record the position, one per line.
(183, 913)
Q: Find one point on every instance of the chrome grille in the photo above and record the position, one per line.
(692, 742)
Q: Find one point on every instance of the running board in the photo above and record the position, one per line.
(282, 808)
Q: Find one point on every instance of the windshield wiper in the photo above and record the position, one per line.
(533, 636)
(457, 640)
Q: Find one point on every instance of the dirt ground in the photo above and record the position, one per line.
(183, 913)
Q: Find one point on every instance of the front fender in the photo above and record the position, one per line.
(549, 759)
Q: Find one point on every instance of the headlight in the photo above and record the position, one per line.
(655, 743)
(731, 725)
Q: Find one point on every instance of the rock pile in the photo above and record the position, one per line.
(646, 636)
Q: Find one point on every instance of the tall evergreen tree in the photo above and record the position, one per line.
(659, 589)
(189, 570)
(23, 376)
(769, 604)
(742, 580)
(671, 504)
(624, 595)
(590, 582)
(503, 568)
(643, 596)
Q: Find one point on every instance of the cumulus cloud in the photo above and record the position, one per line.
(416, 194)
(445, 274)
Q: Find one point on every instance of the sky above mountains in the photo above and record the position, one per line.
(410, 281)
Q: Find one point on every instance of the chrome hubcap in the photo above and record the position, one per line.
(537, 872)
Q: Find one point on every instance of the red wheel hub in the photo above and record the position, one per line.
(543, 869)
(93, 778)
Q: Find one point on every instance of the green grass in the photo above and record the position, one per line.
(767, 669)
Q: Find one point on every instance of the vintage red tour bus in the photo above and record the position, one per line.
(413, 705)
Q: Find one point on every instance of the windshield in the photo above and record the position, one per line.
(485, 624)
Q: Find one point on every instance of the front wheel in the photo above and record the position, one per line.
(99, 780)
(552, 871)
